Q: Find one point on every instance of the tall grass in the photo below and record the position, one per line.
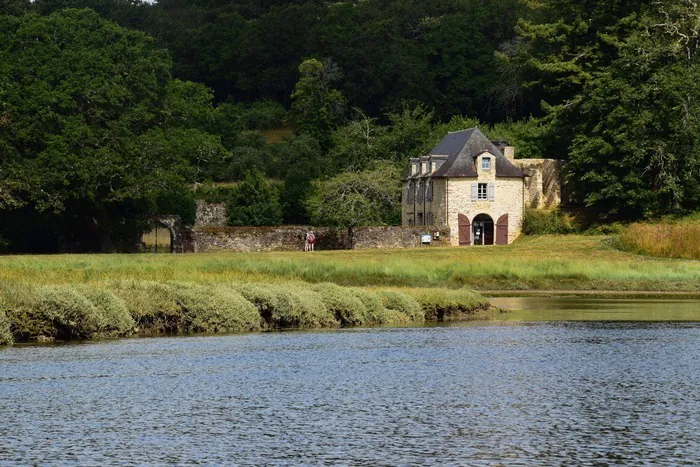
(540, 262)
(664, 239)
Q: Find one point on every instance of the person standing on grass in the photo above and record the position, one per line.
(310, 240)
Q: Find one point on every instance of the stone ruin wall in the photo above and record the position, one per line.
(210, 214)
(291, 238)
(544, 188)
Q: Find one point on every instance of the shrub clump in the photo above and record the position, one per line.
(152, 305)
(266, 299)
(547, 222)
(113, 316)
(66, 312)
(289, 305)
(347, 308)
(403, 304)
(303, 308)
(215, 309)
(446, 304)
(376, 313)
(6, 337)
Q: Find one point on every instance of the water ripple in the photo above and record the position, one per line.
(535, 394)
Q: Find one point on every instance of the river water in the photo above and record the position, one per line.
(508, 392)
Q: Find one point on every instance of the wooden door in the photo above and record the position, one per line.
(502, 230)
(465, 231)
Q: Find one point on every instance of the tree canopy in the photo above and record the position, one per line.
(111, 111)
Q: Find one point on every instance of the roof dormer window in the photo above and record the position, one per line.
(486, 163)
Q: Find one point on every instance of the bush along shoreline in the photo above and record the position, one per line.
(135, 307)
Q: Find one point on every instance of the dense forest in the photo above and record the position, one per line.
(306, 111)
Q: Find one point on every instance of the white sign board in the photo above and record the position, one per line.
(426, 238)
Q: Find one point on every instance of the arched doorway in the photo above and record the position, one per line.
(482, 230)
(159, 239)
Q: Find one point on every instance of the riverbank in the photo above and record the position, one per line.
(86, 296)
(589, 294)
(136, 307)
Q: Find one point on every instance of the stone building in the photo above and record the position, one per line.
(477, 189)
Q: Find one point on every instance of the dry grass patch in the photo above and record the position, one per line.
(668, 240)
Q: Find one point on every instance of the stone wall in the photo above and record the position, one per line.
(210, 214)
(291, 238)
(544, 186)
(366, 238)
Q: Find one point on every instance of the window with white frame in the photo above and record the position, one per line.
(486, 163)
(483, 193)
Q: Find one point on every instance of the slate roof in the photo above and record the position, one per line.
(462, 147)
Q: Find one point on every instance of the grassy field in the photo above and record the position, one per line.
(547, 262)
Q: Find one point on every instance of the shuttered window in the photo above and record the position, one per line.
(430, 190)
(482, 193)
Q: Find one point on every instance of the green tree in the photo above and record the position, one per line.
(300, 162)
(317, 108)
(357, 143)
(82, 137)
(350, 199)
(14, 7)
(255, 202)
(619, 79)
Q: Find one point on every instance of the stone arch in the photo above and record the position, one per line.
(483, 230)
(180, 235)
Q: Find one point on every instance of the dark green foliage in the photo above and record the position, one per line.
(14, 7)
(317, 108)
(300, 161)
(436, 52)
(619, 86)
(542, 222)
(254, 201)
(95, 136)
(180, 202)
